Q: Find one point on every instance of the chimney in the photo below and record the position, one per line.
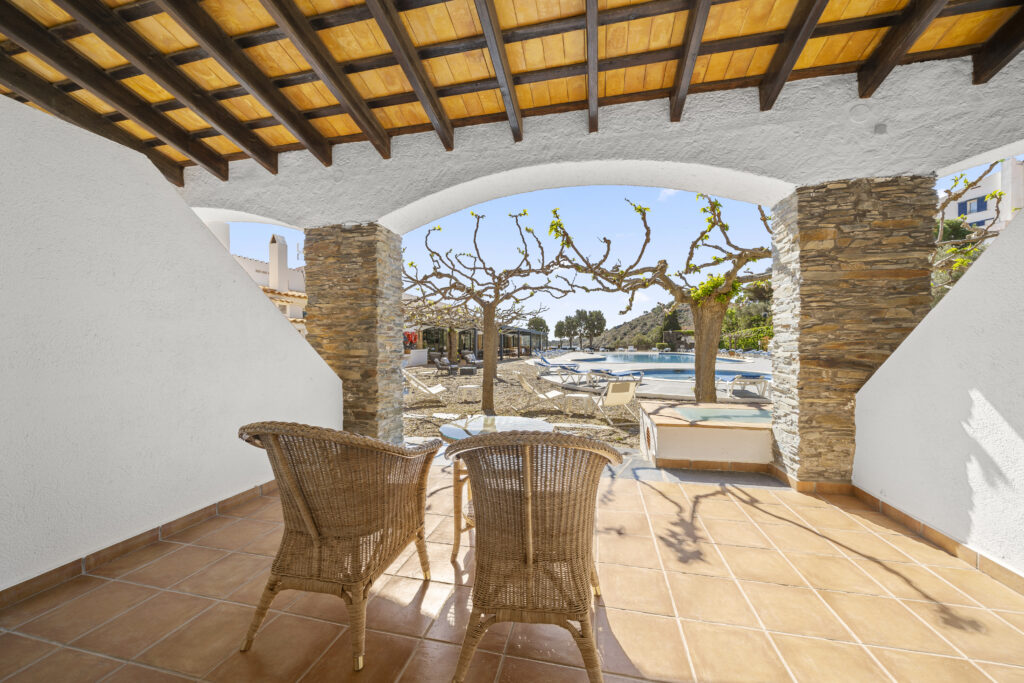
(278, 263)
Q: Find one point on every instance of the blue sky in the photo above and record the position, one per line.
(588, 212)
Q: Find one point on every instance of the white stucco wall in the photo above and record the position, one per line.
(144, 349)
(940, 426)
(924, 117)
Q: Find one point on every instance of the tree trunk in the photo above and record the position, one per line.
(453, 342)
(707, 331)
(490, 358)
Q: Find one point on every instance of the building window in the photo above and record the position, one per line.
(972, 206)
(283, 308)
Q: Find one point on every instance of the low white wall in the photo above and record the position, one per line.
(145, 348)
(940, 426)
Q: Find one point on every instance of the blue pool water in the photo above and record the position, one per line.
(648, 358)
(688, 373)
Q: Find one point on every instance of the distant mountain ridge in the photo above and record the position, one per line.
(624, 334)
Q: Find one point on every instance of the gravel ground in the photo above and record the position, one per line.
(425, 414)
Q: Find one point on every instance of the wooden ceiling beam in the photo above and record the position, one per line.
(63, 58)
(592, 103)
(218, 44)
(696, 19)
(896, 43)
(488, 15)
(1002, 47)
(801, 25)
(108, 26)
(301, 34)
(390, 24)
(42, 93)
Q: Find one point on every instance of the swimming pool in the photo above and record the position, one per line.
(677, 358)
(685, 374)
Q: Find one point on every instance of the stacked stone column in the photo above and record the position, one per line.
(851, 279)
(354, 320)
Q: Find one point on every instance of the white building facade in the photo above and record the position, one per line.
(976, 210)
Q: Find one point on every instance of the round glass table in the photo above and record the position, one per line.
(471, 426)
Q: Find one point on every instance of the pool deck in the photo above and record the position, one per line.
(658, 388)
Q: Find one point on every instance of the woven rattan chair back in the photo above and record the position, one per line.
(534, 495)
(350, 503)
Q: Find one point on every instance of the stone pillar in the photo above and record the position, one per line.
(354, 318)
(851, 279)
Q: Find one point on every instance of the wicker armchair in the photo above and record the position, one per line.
(351, 504)
(534, 495)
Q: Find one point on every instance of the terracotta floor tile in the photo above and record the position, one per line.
(678, 530)
(753, 495)
(692, 558)
(619, 494)
(450, 625)
(792, 537)
(522, 670)
(708, 598)
(406, 606)
(977, 632)
(132, 673)
(207, 526)
(403, 557)
(635, 551)
(317, 605)
(250, 507)
(718, 508)
(793, 610)
(926, 553)
(270, 513)
(813, 660)
(433, 661)
(268, 544)
(913, 582)
(386, 656)
(843, 502)
(1004, 674)
(699, 491)
(140, 627)
(823, 518)
(35, 605)
(441, 567)
(67, 666)
(251, 591)
(634, 588)
(621, 523)
(757, 564)
(546, 642)
(886, 622)
(728, 653)
(834, 573)
(767, 514)
(642, 645)
(74, 618)
(133, 560)
(878, 522)
(730, 532)
(172, 568)
(788, 496)
(865, 546)
(661, 498)
(237, 535)
(203, 642)
(917, 666)
(284, 650)
(983, 588)
(440, 501)
(1015, 618)
(225, 575)
(445, 533)
(18, 651)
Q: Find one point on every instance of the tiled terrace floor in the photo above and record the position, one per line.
(714, 582)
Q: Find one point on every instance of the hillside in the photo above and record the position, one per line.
(624, 334)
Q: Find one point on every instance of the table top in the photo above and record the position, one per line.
(487, 424)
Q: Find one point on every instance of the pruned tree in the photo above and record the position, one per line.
(465, 277)
(958, 243)
(594, 325)
(572, 327)
(708, 299)
(451, 318)
(560, 331)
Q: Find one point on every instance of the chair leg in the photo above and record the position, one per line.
(594, 581)
(357, 626)
(421, 548)
(474, 633)
(457, 500)
(269, 592)
(588, 648)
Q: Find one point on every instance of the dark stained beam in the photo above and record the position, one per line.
(499, 59)
(592, 103)
(102, 21)
(1000, 49)
(390, 24)
(300, 32)
(208, 33)
(798, 32)
(44, 95)
(63, 58)
(696, 19)
(896, 43)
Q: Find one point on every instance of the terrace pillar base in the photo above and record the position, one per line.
(354, 319)
(851, 279)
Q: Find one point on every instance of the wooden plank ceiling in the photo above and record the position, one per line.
(210, 81)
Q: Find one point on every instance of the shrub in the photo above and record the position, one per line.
(747, 339)
(661, 346)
